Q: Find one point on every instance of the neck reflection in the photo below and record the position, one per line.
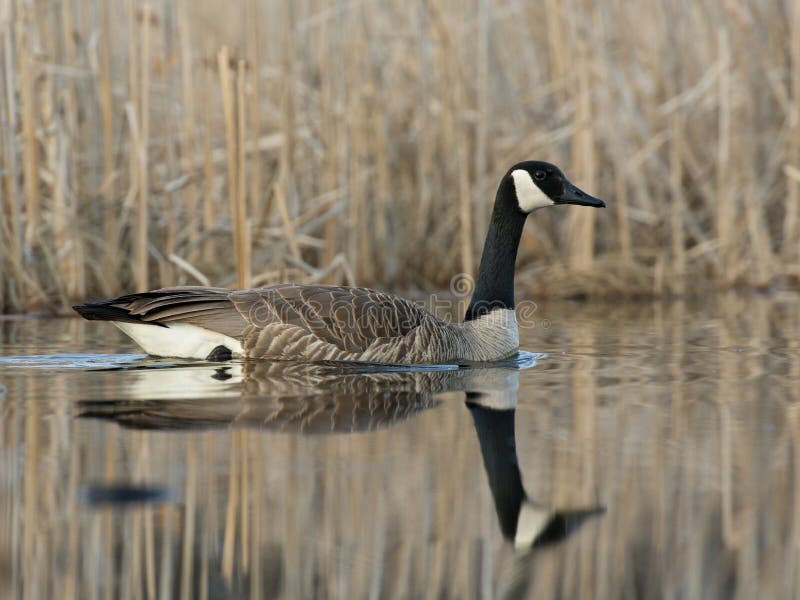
(527, 524)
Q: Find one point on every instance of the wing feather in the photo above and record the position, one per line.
(349, 318)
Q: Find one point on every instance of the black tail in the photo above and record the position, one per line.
(111, 309)
(149, 307)
(101, 311)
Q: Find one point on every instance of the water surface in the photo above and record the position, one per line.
(637, 451)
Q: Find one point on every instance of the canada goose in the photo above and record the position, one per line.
(321, 322)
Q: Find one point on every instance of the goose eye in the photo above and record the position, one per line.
(539, 175)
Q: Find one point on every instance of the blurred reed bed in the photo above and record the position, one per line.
(170, 142)
(690, 444)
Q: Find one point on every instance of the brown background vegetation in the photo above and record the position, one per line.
(247, 142)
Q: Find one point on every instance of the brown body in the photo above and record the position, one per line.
(304, 322)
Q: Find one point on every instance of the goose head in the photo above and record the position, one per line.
(538, 184)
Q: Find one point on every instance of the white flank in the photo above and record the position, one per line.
(179, 340)
(529, 196)
(531, 522)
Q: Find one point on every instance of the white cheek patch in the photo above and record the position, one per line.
(529, 196)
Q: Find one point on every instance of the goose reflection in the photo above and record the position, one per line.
(309, 398)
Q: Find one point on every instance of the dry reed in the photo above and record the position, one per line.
(131, 133)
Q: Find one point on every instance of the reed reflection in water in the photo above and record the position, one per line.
(680, 422)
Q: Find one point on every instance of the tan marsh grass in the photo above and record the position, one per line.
(173, 141)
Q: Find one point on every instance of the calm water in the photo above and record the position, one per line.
(636, 451)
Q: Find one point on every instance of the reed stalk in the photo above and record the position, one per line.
(12, 224)
(791, 235)
(231, 136)
(581, 223)
(677, 208)
(187, 65)
(209, 178)
(726, 200)
(466, 206)
(482, 163)
(254, 108)
(143, 166)
(241, 222)
(111, 275)
(30, 146)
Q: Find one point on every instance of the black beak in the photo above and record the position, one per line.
(572, 195)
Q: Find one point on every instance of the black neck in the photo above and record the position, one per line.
(494, 287)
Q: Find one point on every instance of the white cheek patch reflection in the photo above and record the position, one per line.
(529, 196)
